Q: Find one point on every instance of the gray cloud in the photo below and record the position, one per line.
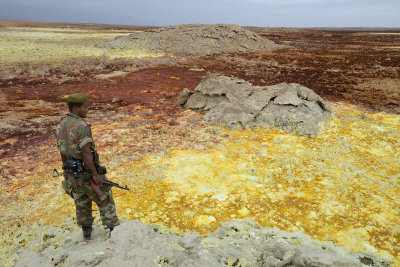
(286, 13)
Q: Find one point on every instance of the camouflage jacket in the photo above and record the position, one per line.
(72, 134)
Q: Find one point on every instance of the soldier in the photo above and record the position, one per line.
(74, 140)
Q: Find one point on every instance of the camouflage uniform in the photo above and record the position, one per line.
(72, 134)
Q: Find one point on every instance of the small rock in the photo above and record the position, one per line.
(186, 93)
(110, 75)
(272, 262)
(196, 69)
(190, 240)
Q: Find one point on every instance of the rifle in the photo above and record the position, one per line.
(87, 176)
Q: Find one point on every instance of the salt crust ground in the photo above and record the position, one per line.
(234, 243)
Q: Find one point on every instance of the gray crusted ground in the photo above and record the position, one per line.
(194, 39)
(291, 107)
(234, 243)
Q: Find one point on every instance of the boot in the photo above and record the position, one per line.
(87, 232)
(109, 233)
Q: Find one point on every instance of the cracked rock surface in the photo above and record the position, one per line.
(194, 39)
(291, 107)
(234, 243)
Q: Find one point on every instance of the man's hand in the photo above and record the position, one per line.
(97, 179)
(88, 159)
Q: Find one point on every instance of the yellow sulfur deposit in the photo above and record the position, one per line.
(342, 186)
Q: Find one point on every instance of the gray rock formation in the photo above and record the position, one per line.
(234, 243)
(291, 107)
(194, 39)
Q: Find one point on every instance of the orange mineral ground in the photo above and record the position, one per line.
(342, 186)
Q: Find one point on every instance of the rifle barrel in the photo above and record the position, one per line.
(108, 182)
(87, 175)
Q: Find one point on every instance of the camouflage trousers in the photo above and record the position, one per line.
(83, 196)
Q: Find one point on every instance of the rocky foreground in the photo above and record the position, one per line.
(234, 243)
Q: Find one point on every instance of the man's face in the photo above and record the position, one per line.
(82, 111)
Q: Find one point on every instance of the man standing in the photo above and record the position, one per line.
(75, 142)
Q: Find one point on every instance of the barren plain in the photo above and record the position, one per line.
(189, 175)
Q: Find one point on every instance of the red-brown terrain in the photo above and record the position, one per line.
(362, 68)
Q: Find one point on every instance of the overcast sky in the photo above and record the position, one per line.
(274, 13)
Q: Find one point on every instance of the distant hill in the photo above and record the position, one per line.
(99, 26)
(93, 26)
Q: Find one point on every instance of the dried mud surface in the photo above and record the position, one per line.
(158, 148)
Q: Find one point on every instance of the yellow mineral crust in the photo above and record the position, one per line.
(342, 186)
(57, 45)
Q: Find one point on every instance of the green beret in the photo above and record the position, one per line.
(77, 98)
